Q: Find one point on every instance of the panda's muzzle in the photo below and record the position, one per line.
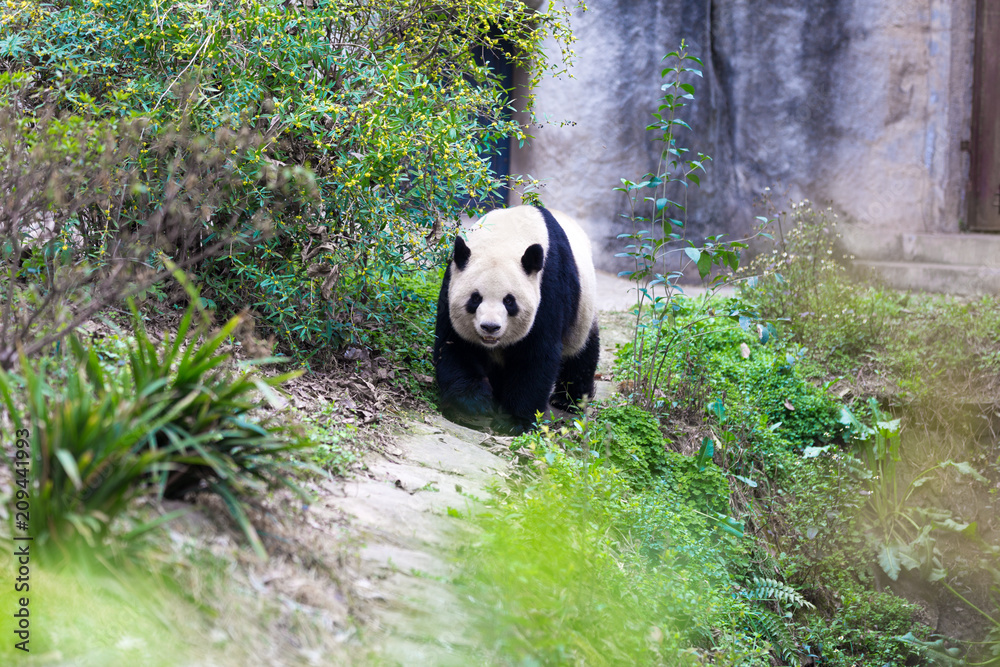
(488, 332)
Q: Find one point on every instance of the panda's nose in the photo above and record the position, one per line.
(489, 327)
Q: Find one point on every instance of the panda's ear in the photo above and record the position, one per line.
(533, 259)
(462, 253)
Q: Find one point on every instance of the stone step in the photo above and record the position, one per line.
(957, 249)
(954, 249)
(960, 279)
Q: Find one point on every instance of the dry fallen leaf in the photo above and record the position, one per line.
(744, 350)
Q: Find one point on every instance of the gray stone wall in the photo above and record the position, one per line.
(858, 104)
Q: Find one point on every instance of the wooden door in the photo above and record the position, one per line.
(984, 186)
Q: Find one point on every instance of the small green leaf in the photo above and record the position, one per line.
(888, 558)
(813, 452)
(729, 525)
(705, 453)
(704, 265)
(965, 469)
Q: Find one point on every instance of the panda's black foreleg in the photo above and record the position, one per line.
(576, 376)
(523, 387)
(462, 380)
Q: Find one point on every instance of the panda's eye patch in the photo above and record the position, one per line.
(510, 303)
(473, 303)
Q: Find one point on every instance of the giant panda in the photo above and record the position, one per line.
(516, 318)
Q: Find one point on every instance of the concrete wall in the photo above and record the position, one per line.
(858, 104)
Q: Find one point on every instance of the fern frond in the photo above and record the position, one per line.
(775, 629)
(765, 589)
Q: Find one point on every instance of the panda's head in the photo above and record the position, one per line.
(494, 292)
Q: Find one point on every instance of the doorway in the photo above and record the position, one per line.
(984, 169)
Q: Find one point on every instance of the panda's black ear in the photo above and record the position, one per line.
(462, 253)
(533, 259)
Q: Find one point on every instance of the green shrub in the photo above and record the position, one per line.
(381, 109)
(59, 265)
(658, 245)
(80, 457)
(407, 338)
(865, 631)
(212, 442)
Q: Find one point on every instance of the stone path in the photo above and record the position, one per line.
(400, 510)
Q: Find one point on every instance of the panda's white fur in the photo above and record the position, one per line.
(587, 310)
(497, 242)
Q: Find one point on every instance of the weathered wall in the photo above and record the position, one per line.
(862, 104)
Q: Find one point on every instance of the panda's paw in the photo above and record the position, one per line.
(562, 404)
(480, 422)
(508, 425)
(565, 402)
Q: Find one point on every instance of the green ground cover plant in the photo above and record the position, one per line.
(795, 492)
(802, 280)
(726, 373)
(565, 573)
(934, 353)
(576, 557)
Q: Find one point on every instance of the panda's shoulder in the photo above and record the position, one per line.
(577, 237)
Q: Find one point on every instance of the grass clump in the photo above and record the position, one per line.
(173, 421)
(931, 352)
(131, 618)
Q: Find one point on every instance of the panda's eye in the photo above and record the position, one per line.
(473, 303)
(510, 303)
